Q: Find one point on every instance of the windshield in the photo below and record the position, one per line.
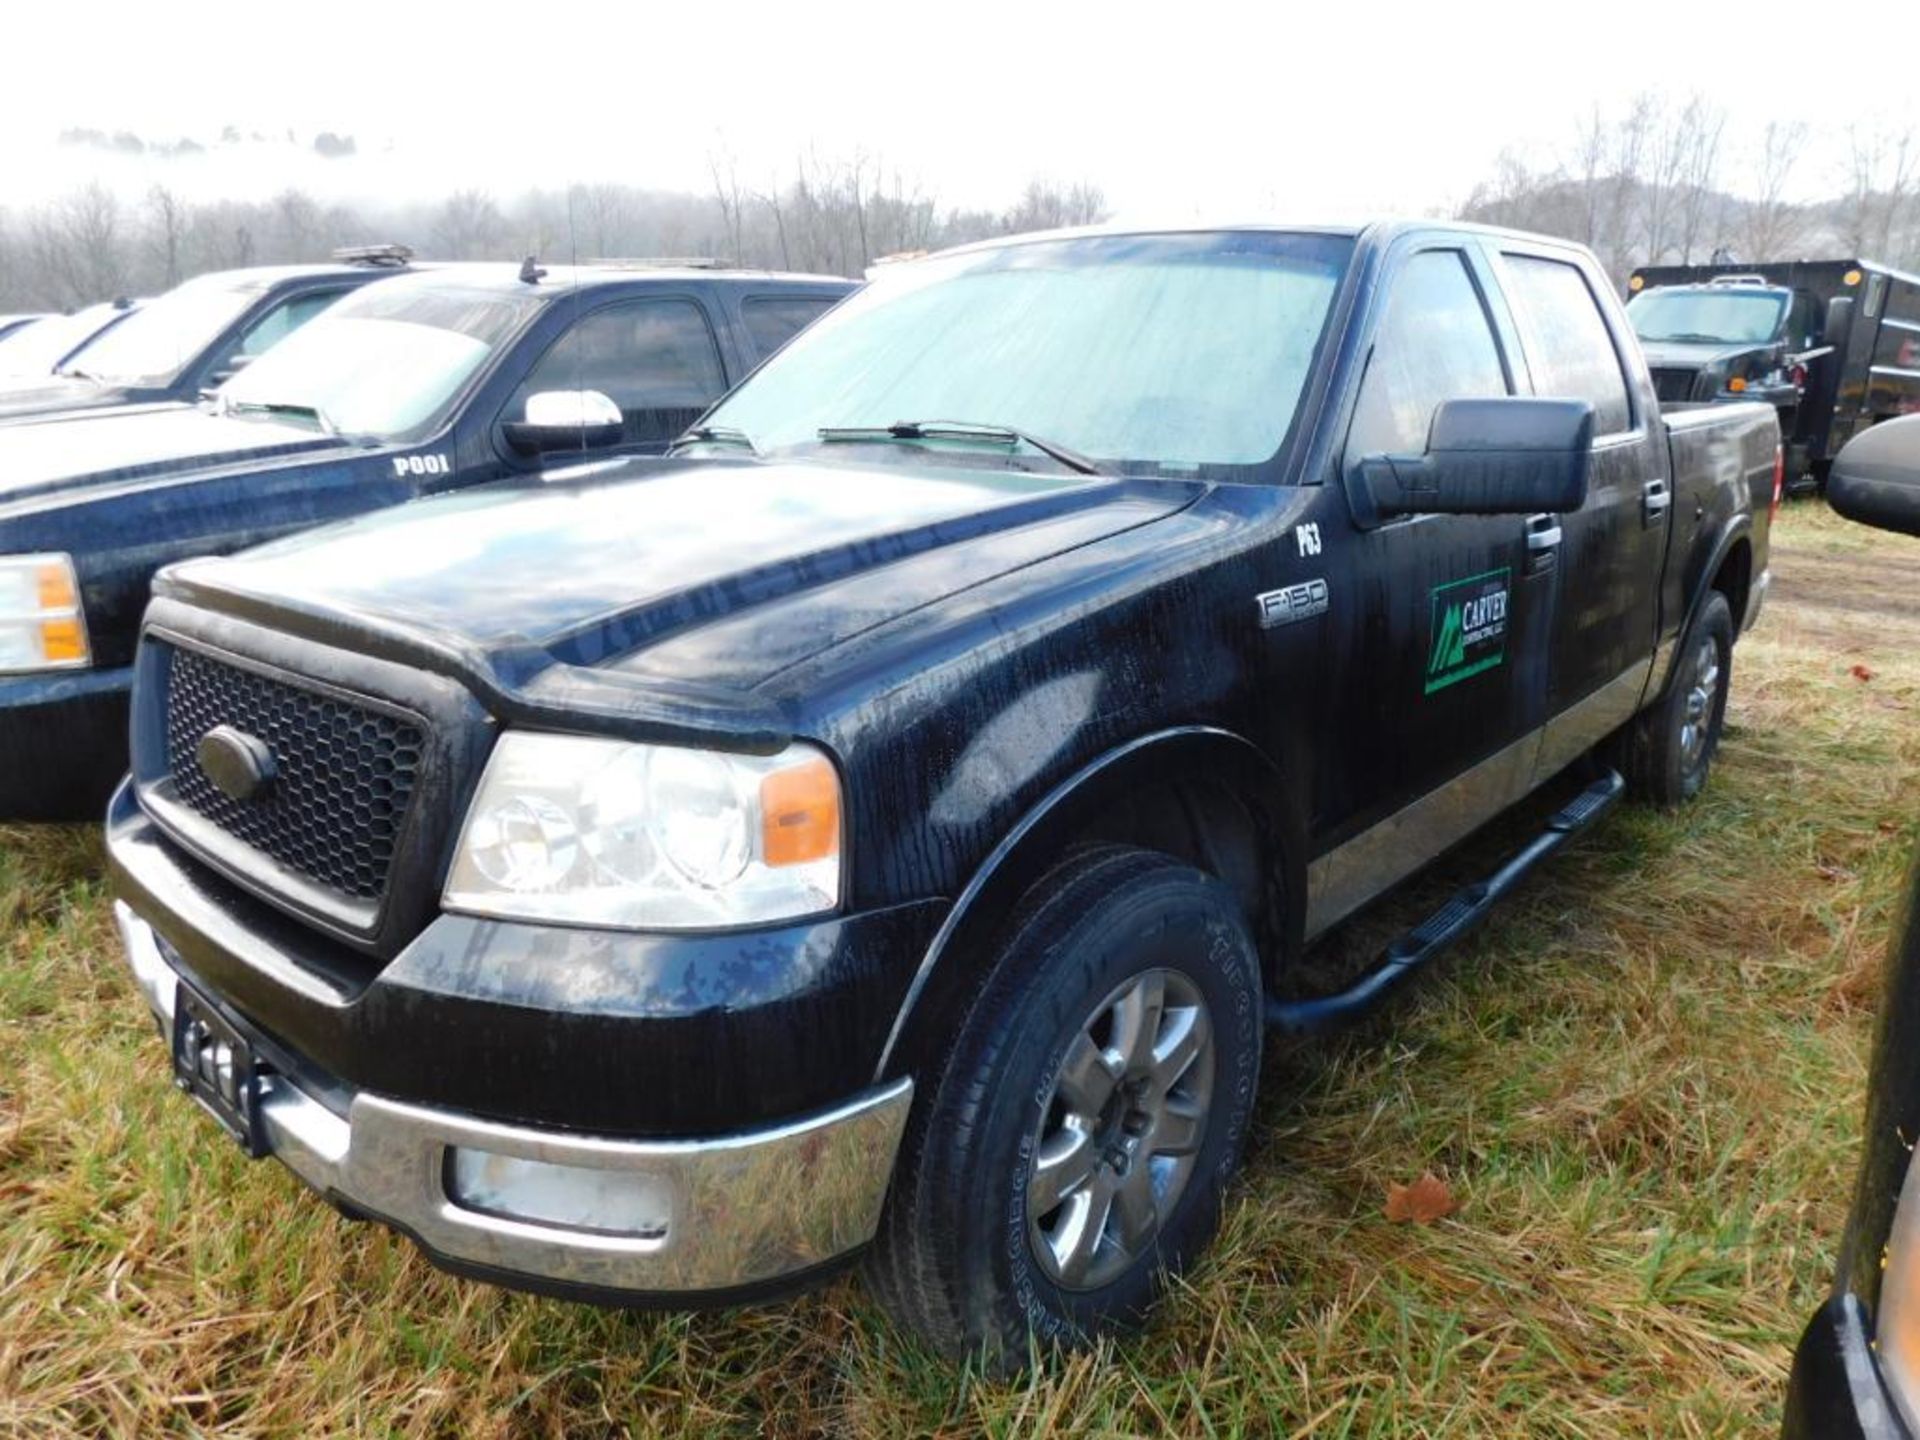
(382, 363)
(35, 349)
(1177, 354)
(160, 339)
(1724, 315)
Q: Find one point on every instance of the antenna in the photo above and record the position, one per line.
(531, 272)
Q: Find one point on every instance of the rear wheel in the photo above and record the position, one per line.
(1670, 748)
(1073, 1147)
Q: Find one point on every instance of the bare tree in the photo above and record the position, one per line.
(469, 226)
(166, 234)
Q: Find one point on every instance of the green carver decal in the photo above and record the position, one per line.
(1469, 631)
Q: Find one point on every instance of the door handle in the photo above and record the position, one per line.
(1543, 542)
(1655, 500)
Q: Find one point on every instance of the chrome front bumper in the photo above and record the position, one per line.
(734, 1212)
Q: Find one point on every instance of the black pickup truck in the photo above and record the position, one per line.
(432, 381)
(891, 823)
(197, 335)
(1833, 345)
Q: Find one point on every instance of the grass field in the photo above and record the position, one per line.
(1642, 1081)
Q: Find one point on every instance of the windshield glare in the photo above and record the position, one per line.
(33, 350)
(1179, 354)
(1733, 317)
(160, 339)
(380, 365)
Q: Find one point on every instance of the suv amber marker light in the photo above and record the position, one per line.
(1736, 384)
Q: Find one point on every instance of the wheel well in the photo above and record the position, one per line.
(1205, 824)
(1215, 804)
(1732, 580)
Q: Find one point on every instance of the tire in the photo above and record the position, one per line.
(1009, 1111)
(1670, 748)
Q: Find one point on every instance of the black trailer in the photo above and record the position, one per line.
(1833, 344)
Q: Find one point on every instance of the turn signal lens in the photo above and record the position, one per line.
(800, 813)
(42, 626)
(1852, 277)
(1737, 384)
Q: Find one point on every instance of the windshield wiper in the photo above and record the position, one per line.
(266, 407)
(1689, 337)
(960, 430)
(714, 435)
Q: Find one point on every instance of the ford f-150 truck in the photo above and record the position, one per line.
(891, 823)
(427, 382)
(197, 335)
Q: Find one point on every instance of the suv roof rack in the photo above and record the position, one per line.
(391, 255)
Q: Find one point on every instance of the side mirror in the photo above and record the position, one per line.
(1509, 455)
(565, 420)
(229, 368)
(1875, 478)
(1839, 321)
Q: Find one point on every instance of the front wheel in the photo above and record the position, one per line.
(1670, 748)
(1074, 1146)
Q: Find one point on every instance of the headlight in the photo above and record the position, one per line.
(41, 627)
(648, 837)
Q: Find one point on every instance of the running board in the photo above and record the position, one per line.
(1447, 924)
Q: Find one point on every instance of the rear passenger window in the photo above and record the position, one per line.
(1572, 353)
(772, 320)
(281, 321)
(1435, 344)
(655, 359)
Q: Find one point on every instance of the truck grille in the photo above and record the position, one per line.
(344, 773)
(1673, 384)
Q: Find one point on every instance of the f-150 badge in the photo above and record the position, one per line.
(1296, 602)
(1469, 632)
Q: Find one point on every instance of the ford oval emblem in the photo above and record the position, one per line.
(239, 765)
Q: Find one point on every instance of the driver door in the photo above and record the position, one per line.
(1442, 687)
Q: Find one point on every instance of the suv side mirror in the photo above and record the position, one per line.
(565, 420)
(1508, 455)
(1839, 321)
(1875, 478)
(229, 368)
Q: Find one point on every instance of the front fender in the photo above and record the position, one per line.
(955, 958)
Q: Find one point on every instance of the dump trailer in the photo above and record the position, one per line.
(1833, 345)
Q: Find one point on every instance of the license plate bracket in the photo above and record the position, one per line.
(215, 1064)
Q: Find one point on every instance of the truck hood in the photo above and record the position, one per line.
(33, 395)
(1685, 355)
(60, 455)
(564, 587)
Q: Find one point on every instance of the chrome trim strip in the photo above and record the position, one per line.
(1379, 858)
(746, 1208)
(1901, 324)
(1372, 862)
(1901, 371)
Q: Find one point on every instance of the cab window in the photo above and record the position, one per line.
(285, 318)
(1435, 343)
(1572, 354)
(772, 320)
(655, 359)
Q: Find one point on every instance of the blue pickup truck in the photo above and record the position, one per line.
(423, 383)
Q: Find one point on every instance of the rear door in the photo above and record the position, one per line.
(1612, 550)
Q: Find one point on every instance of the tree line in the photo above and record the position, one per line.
(1668, 180)
(826, 216)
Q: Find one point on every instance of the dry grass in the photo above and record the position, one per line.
(1643, 1080)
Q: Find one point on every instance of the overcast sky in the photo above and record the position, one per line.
(1173, 108)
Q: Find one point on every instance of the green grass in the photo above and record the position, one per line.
(1643, 1080)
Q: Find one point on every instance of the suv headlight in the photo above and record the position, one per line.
(41, 625)
(589, 831)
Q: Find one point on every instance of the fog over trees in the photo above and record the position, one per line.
(825, 215)
(1675, 181)
(1662, 179)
